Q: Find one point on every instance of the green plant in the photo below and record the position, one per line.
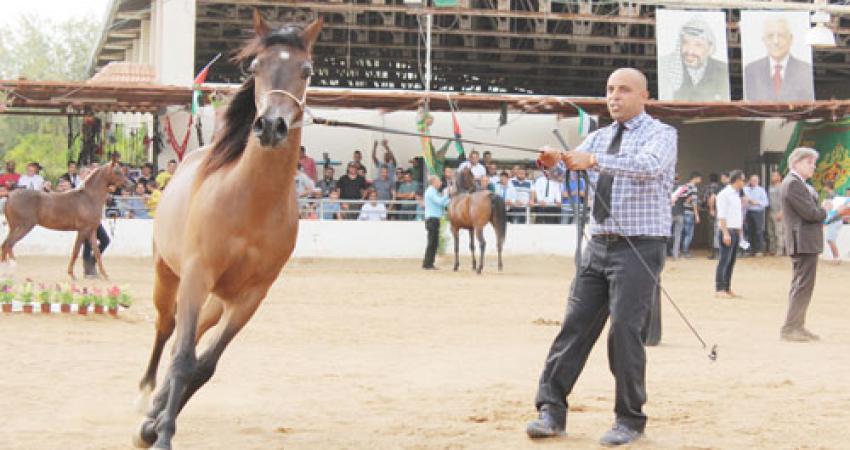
(85, 298)
(97, 298)
(43, 294)
(7, 294)
(27, 293)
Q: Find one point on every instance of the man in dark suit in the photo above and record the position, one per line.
(778, 76)
(803, 220)
(693, 74)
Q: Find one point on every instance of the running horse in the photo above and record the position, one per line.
(227, 223)
(471, 209)
(79, 210)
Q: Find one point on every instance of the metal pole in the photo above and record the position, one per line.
(70, 137)
(428, 24)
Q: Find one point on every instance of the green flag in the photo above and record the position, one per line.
(832, 141)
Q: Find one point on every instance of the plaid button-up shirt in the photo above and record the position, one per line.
(644, 172)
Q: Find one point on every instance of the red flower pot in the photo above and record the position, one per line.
(113, 311)
(28, 308)
(45, 308)
(82, 310)
(7, 307)
(65, 308)
(98, 309)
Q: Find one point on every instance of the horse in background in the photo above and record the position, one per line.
(79, 210)
(227, 224)
(471, 209)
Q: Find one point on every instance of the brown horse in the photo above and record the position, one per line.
(228, 222)
(79, 210)
(471, 209)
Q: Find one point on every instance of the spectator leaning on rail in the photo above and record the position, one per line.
(632, 164)
(10, 177)
(164, 177)
(435, 203)
(31, 180)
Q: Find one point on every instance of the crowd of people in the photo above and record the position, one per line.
(136, 199)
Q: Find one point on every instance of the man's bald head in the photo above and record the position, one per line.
(626, 93)
(777, 37)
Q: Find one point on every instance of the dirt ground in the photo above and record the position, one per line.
(380, 354)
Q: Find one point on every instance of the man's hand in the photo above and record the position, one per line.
(844, 210)
(549, 157)
(696, 219)
(579, 160)
(727, 238)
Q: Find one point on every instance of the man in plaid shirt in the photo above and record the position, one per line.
(631, 164)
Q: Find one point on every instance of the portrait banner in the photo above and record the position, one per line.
(693, 63)
(776, 59)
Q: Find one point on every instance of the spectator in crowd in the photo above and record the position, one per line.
(331, 209)
(505, 189)
(407, 191)
(775, 225)
(730, 221)
(304, 185)
(308, 164)
(327, 183)
(492, 174)
(31, 180)
(134, 205)
(47, 186)
(112, 208)
(11, 177)
(435, 203)
(358, 161)
(690, 212)
(351, 187)
(71, 175)
(153, 199)
(361, 172)
(486, 184)
(523, 188)
(448, 178)
(399, 177)
(756, 200)
(514, 171)
(710, 203)
(487, 158)
(571, 198)
(63, 185)
(547, 198)
(383, 186)
(834, 227)
(474, 165)
(146, 176)
(163, 178)
(389, 162)
(373, 209)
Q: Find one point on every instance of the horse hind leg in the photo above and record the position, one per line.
(210, 315)
(75, 253)
(479, 232)
(16, 233)
(164, 293)
(456, 238)
(472, 247)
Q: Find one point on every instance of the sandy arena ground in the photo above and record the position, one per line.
(380, 354)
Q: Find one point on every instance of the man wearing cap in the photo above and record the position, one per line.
(693, 74)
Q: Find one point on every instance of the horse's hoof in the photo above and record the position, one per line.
(146, 435)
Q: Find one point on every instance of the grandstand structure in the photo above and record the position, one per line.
(491, 46)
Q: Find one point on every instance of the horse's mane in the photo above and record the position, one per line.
(464, 181)
(229, 142)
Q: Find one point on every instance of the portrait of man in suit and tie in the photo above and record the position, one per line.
(781, 74)
(696, 69)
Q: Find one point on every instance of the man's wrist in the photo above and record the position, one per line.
(593, 161)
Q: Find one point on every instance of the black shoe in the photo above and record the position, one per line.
(545, 426)
(619, 435)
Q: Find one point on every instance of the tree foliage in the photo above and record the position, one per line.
(39, 49)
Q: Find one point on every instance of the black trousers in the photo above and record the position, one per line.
(612, 281)
(102, 243)
(432, 224)
(726, 261)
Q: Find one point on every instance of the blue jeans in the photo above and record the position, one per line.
(726, 261)
(687, 231)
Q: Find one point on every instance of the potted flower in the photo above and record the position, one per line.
(124, 298)
(44, 298)
(7, 295)
(66, 298)
(97, 300)
(84, 302)
(27, 296)
(113, 296)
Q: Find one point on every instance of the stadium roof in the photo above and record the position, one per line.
(499, 46)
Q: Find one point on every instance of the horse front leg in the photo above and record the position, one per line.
(160, 424)
(479, 232)
(456, 238)
(76, 252)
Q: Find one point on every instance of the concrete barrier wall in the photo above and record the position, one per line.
(342, 239)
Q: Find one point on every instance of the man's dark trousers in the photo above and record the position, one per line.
(755, 230)
(726, 261)
(432, 224)
(613, 282)
(88, 257)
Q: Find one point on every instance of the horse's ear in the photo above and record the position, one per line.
(261, 27)
(311, 33)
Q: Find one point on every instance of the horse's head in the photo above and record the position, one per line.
(113, 174)
(281, 66)
(464, 180)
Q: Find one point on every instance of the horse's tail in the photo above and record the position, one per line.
(498, 216)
